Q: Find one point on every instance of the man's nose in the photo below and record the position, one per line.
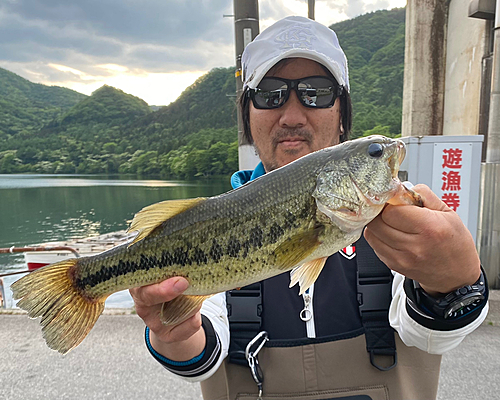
(293, 114)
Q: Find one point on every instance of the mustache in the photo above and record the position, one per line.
(284, 134)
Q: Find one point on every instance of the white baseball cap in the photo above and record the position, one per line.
(291, 37)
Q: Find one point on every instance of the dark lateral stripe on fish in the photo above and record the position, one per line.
(180, 257)
(188, 255)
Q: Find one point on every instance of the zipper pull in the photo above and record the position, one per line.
(306, 314)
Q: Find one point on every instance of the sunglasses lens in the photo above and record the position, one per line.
(313, 91)
(317, 92)
(271, 93)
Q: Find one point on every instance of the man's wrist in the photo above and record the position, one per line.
(179, 351)
(443, 292)
(197, 365)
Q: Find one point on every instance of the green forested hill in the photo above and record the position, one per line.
(64, 132)
(208, 104)
(107, 105)
(111, 131)
(374, 44)
(26, 106)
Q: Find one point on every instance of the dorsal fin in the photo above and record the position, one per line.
(150, 217)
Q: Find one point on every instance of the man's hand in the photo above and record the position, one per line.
(179, 342)
(430, 245)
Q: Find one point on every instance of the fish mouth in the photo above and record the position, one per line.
(397, 158)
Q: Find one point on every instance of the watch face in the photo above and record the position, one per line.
(464, 305)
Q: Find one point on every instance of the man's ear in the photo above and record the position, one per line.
(342, 137)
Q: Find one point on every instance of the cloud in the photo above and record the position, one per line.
(67, 42)
(148, 33)
(355, 8)
(152, 21)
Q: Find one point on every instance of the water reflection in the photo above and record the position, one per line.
(41, 208)
(39, 180)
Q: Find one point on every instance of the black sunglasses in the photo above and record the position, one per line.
(312, 91)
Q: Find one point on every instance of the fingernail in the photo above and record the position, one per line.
(180, 285)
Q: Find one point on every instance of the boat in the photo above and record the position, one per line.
(40, 255)
(47, 253)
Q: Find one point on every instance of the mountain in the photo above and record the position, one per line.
(106, 105)
(207, 103)
(58, 130)
(27, 106)
(374, 44)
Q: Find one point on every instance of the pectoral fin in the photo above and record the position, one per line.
(291, 252)
(150, 217)
(307, 274)
(180, 309)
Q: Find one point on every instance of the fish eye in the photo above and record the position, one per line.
(375, 150)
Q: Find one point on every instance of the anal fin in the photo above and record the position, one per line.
(307, 274)
(180, 309)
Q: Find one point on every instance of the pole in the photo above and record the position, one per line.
(493, 150)
(310, 9)
(489, 233)
(246, 27)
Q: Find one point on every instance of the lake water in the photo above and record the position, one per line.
(42, 208)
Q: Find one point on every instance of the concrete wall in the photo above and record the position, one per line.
(423, 92)
(465, 46)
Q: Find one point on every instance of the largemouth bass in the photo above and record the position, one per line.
(295, 216)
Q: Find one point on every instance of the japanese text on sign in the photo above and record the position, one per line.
(452, 159)
(451, 176)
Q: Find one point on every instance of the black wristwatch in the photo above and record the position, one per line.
(455, 304)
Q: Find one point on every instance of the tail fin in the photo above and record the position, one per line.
(67, 315)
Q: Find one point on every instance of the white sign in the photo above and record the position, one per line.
(247, 36)
(451, 178)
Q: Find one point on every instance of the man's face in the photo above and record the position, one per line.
(282, 135)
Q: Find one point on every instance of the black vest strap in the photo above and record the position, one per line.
(374, 297)
(244, 310)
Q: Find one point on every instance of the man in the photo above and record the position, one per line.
(296, 100)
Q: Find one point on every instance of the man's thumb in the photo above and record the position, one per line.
(431, 201)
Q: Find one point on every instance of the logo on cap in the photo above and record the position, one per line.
(295, 37)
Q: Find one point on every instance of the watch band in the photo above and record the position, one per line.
(454, 304)
(451, 311)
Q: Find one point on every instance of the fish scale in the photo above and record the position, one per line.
(296, 215)
(214, 245)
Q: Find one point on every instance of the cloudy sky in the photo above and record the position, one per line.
(153, 49)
